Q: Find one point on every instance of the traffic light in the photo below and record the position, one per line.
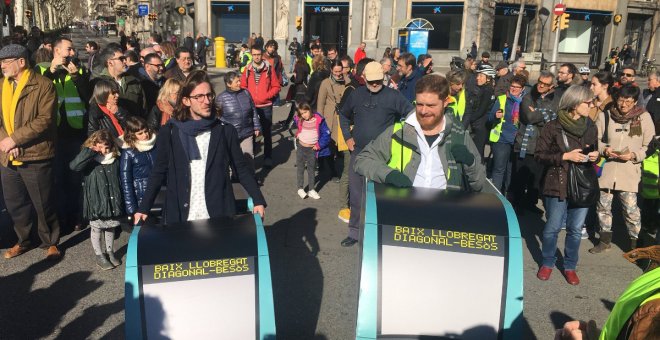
(563, 23)
(555, 23)
(299, 23)
(28, 13)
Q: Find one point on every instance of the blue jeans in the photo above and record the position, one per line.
(266, 119)
(555, 212)
(501, 165)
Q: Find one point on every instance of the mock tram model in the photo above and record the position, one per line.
(439, 264)
(207, 279)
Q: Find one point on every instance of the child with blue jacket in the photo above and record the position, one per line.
(312, 142)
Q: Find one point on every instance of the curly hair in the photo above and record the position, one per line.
(102, 136)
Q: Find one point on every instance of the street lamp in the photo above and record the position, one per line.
(544, 13)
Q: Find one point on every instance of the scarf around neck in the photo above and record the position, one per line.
(515, 109)
(113, 119)
(188, 130)
(106, 159)
(10, 103)
(576, 127)
(633, 116)
(146, 145)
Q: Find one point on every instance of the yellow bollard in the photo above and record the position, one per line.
(220, 52)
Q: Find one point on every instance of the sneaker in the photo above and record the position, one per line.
(15, 251)
(585, 234)
(103, 262)
(313, 194)
(302, 193)
(344, 215)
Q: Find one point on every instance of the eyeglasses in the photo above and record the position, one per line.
(542, 84)
(157, 65)
(8, 61)
(629, 101)
(627, 75)
(589, 102)
(185, 59)
(516, 87)
(374, 82)
(122, 58)
(200, 97)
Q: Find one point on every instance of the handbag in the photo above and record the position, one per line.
(341, 143)
(583, 189)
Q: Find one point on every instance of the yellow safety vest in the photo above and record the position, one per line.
(400, 154)
(67, 93)
(248, 62)
(309, 60)
(496, 131)
(168, 62)
(650, 171)
(458, 105)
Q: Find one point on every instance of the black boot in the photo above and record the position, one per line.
(103, 262)
(604, 244)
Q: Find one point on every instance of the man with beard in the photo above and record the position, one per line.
(152, 81)
(442, 151)
(372, 109)
(567, 76)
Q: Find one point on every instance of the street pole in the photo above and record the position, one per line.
(514, 48)
(555, 48)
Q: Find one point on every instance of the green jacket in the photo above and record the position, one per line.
(373, 161)
(102, 196)
(131, 94)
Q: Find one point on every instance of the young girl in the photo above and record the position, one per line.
(312, 140)
(102, 204)
(137, 159)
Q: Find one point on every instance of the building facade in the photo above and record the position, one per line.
(592, 31)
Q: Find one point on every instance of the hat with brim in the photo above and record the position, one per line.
(373, 71)
(13, 51)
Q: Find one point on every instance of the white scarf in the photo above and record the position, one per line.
(105, 159)
(146, 145)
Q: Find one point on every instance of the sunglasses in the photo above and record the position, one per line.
(122, 58)
(627, 75)
(374, 82)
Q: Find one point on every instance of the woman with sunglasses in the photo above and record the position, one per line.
(567, 139)
(626, 130)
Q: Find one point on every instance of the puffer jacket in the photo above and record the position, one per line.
(620, 175)
(544, 108)
(102, 197)
(134, 170)
(98, 120)
(237, 108)
(324, 135)
(35, 126)
(550, 149)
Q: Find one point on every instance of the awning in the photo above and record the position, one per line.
(414, 24)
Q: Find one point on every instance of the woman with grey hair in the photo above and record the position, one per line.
(571, 138)
(104, 109)
(235, 106)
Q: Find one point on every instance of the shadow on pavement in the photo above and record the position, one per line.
(558, 319)
(531, 230)
(296, 274)
(91, 319)
(27, 314)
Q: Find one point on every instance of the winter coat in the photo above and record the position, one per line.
(324, 135)
(330, 94)
(172, 165)
(652, 99)
(267, 88)
(99, 120)
(550, 149)
(135, 167)
(620, 175)
(102, 197)
(407, 84)
(175, 73)
(544, 109)
(502, 84)
(35, 125)
(237, 109)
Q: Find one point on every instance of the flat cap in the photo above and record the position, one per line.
(501, 65)
(13, 51)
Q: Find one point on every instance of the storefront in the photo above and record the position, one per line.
(585, 34)
(327, 22)
(504, 29)
(230, 20)
(447, 20)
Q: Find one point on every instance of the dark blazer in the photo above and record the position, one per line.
(172, 165)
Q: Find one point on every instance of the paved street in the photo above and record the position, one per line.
(314, 278)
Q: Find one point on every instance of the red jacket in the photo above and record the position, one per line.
(266, 90)
(359, 55)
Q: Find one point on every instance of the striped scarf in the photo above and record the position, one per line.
(548, 115)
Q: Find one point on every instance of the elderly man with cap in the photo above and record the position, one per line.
(27, 147)
(503, 78)
(372, 109)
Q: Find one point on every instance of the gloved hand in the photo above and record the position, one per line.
(462, 154)
(398, 179)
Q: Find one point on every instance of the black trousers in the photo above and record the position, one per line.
(526, 180)
(28, 190)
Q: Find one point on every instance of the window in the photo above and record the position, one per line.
(447, 21)
(575, 39)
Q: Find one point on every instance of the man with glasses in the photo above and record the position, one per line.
(330, 57)
(153, 80)
(567, 76)
(131, 94)
(73, 91)
(372, 109)
(537, 108)
(27, 147)
(261, 80)
(184, 65)
(196, 150)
